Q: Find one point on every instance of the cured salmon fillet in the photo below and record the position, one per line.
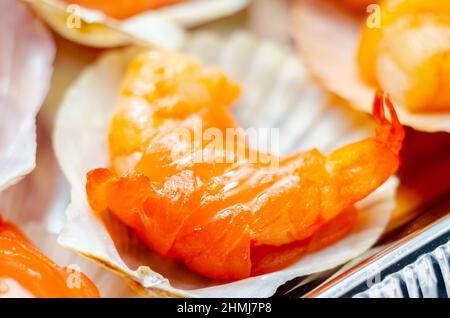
(26, 272)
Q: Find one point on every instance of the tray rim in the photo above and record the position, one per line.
(343, 284)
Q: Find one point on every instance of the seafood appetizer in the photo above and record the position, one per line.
(26, 57)
(226, 219)
(29, 206)
(163, 195)
(412, 47)
(25, 272)
(104, 23)
(401, 47)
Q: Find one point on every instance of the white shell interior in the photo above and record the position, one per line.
(163, 27)
(26, 56)
(333, 60)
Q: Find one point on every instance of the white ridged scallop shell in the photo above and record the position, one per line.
(333, 59)
(26, 56)
(163, 27)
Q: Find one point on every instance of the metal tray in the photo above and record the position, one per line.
(413, 262)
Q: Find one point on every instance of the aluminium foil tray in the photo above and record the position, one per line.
(414, 266)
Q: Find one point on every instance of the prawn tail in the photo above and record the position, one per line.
(360, 168)
(390, 133)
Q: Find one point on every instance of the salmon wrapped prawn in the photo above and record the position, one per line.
(409, 55)
(226, 219)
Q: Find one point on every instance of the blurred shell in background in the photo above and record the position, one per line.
(26, 57)
(71, 58)
(327, 38)
(35, 205)
(278, 92)
(162, 27)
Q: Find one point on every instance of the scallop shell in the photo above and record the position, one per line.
(278, 92)
(163, 27)
(26, 56)
(327, 39)
(197, 12)
(35, 205)
(70, 60)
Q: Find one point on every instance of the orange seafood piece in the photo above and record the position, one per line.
(358, 5)
(224, 214)
(122, 9)
(409, 54)
(268, 258)
(26, 272)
